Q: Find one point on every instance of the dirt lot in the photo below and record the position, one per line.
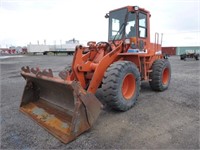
(159, 120)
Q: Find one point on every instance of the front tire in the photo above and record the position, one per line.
(160, 75)
(121, 85)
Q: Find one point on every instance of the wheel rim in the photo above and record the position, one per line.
(165, 78)
(128, 86)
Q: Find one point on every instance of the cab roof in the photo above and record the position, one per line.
(132, 8)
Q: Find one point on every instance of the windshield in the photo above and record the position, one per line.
(117, 24)
(116, 21)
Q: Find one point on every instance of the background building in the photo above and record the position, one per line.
(180, 50)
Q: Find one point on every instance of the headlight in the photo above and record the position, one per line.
(127, 41)
(136, 8)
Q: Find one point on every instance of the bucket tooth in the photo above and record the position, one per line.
(48, 73)
(63, 74)
(35, 71)
(25, 69)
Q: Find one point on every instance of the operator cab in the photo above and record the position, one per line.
(130, 24)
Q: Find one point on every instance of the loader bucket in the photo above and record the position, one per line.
(62, 107)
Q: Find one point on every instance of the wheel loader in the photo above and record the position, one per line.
(67, 105)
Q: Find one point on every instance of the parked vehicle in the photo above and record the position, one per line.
(67, 105)
(189, 55)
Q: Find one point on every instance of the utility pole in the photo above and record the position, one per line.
(61, 44)
(55, 45)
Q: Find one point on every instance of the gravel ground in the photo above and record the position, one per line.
(159, 120)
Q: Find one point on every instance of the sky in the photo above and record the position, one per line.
(56, 21)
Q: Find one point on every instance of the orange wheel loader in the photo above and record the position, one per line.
(66, 106)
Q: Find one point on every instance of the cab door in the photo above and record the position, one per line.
(143, 37)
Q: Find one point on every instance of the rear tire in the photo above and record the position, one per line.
(121, 85)
(160, 75)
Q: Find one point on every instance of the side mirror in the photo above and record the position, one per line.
(107, 15)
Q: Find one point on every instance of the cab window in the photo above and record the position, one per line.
(142, 25)
(131, 25)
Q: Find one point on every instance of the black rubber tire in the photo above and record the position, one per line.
(112, 85)
(196, 57)
(156, 76)
(183, 57)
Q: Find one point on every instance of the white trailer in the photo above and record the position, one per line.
(31, 48)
